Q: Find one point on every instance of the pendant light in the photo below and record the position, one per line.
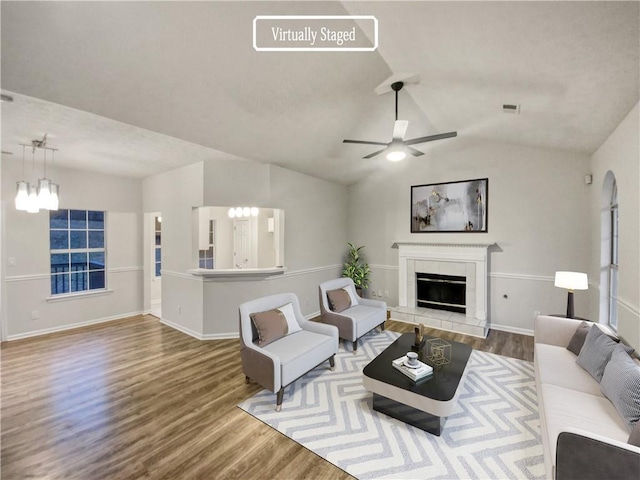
(53, 189)
(45, 196)
(43, 185)
(22, 194)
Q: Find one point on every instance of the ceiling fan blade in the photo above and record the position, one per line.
(371, 155)
(414, 152)
(400, 129)
(430, 138)
(365, 142)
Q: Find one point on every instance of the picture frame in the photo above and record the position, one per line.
(450, 207)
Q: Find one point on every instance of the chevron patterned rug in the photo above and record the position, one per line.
(494, 432)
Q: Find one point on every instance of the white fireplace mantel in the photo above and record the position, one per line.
(469, 260)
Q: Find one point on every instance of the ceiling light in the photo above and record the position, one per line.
(238, 212)
(254, 211)
(396, 155)
(231, 212)
(246, 211)
(45, 196)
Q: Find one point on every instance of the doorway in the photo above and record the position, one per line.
(153, 263)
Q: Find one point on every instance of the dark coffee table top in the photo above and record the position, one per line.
(441, 386)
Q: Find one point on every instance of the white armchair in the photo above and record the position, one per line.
(356, 320)
(281, 362)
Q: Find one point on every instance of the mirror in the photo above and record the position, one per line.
(240, 237)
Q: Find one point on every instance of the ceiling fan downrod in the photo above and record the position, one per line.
(396, 87)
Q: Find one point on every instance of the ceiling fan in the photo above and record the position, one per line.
(398, 147)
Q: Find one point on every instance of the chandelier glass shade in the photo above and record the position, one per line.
(239, 212)
(30, 198)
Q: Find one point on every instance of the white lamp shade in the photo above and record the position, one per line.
(246, 211)
(53, 197)
(22, 196)
(231, 212)
(572, 280)
(43, 193)
(254, 211)
(238, 211)
(32, 202)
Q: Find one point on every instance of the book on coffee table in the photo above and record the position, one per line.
(422, 370)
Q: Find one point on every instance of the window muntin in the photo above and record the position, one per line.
(77, 251)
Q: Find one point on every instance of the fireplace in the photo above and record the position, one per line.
(441, 292)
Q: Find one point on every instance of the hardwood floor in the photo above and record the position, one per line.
(136, 399)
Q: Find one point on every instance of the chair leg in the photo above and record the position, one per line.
(279, 398)
(355, 346)
(382, 327)
(247, 380)
(332, 362)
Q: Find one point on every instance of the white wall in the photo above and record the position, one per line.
(26, 240)
(537, 217)
(315, 237)
(620, 154)
(175, 194)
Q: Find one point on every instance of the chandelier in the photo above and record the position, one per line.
(44, 196)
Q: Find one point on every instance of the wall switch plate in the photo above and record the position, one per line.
(380, 293)
(386, 294)
(34, 314)
(12, 261)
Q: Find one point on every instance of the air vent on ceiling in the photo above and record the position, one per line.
(510, 108)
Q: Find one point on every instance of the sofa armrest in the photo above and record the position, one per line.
(261, 366)
(369, 302)
(322, 328)
(586, 456)
(554, 330)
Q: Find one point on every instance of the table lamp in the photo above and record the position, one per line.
(571, 281)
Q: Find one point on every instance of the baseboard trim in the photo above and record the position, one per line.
(220, 336)
(506, 328)
(180, 328)
(63, 328)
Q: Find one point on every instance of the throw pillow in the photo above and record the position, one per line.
(339, 300)
(576, 342)
(595, 353)
(272, 325)
(621, 384)
(634, 438)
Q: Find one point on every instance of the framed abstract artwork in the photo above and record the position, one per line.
(453, 207)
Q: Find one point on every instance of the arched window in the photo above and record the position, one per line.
(609, 252)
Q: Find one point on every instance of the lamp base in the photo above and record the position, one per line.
(570, 304)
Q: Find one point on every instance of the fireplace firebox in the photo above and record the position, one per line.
(441, 292)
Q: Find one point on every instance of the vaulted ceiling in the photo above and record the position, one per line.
(136, 88)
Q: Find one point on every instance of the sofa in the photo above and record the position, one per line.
(583, 434)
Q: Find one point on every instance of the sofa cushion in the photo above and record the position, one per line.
(273, 324)
(621, 384)
(634, 438)
(566, 408)
(596, 352)
(576, 342)
(299, 352)
(557, 366)
(339, 299)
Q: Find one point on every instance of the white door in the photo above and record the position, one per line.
(241, 244)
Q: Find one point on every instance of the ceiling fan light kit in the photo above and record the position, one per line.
(398, 148)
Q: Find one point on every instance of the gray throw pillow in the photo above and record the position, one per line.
(576, 342)
(595, 353)
(634, 438)
(621, 384)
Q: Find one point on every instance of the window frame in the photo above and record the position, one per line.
(70, 251)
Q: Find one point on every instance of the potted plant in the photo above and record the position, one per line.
(356, 270)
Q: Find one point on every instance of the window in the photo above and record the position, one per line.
(207, 257)
(158, 253)
(613, 258)
(78, 255)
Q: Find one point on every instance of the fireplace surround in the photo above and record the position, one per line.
(469, 261)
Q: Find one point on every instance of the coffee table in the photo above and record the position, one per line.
(424, 404)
